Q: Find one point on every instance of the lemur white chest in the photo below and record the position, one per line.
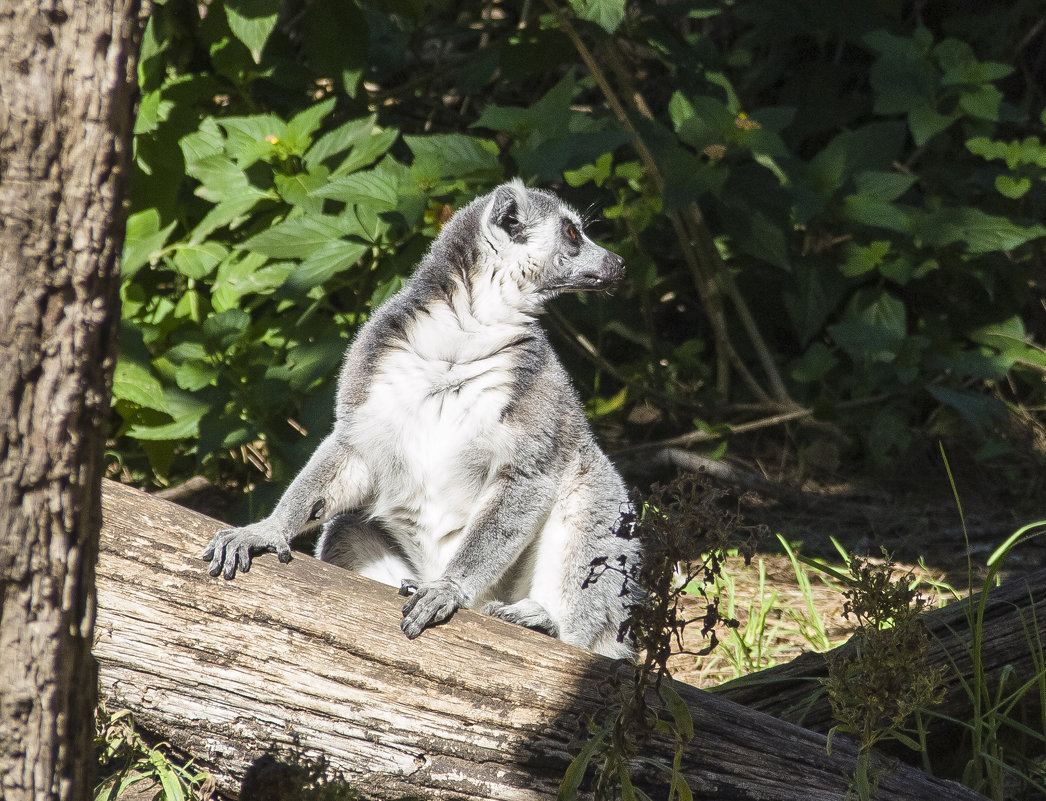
(432, 428)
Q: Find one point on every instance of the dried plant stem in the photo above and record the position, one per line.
(710, 276)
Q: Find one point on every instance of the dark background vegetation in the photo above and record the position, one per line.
(831, 212)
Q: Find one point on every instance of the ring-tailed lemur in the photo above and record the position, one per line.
(461, 463)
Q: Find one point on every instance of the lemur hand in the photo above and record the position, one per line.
(233, 548)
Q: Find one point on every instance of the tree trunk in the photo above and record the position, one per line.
(306, 661)
(65, 120)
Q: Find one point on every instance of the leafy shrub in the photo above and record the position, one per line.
(822, 205)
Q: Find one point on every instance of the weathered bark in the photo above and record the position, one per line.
(65, 121)
(307, 659)
(1014, 612)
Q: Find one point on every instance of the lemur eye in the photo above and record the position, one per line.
(573, 234)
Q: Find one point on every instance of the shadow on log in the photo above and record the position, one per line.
(306, 659)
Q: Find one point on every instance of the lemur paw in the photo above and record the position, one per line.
(432, 602)
(233, 548)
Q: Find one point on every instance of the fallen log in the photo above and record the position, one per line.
(1013, 631)
(305, 661)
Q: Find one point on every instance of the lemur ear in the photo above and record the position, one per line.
(505, 210)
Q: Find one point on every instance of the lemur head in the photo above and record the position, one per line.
(537, 243)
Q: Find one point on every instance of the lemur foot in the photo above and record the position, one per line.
(527, 613)
(432, 602)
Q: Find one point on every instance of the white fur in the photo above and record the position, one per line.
(431, 430)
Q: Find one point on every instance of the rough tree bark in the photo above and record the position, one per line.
(307, 659)
(65, 120)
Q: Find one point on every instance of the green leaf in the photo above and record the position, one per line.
(863, 259)
(986, 148)
(701, 120)
(1030, 151)
(868, 210)
(206, 140)
(874, 327)
(232, 213)
(374, 188)
(143, 241)
(386, 290)
(153, 109)
(304, 124)
(297, 189)
(135, 383)
(345, 136)
(980, 411)
(186, 350)
(1012, 342)
(599, 407)
(925, 122)
(198, 260)
(888, 313)
(1011, 187)
(547, 117)
(575, 771)
(677, 707)
(883, 185)
(961, 66)
(982, 233)
(185, 427)
(457, 155)
(816, 363)
(597, 172)
(309, 363)
(608, 14)
(252, 22)
(254, 138)
(367, 150)
(757, 235)
(220, 179)
(324, 263)
(982, 101)
(628, 791)
(225, 328)
(194, 375)
(902, 77)
(247, 274)
(872, 147)
(172, 788)
(298, 237)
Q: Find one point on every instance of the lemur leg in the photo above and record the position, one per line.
(333, 480)
(496, 535)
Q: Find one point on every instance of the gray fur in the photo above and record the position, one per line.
(461, 463)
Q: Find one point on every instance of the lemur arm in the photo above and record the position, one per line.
(508, 520)
(333, 480)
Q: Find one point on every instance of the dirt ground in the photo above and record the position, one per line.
(912, 513)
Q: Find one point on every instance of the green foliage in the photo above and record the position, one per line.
(686, 528)
(1002, 748)
(126, 761)
(877, 685)
(826, 207)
